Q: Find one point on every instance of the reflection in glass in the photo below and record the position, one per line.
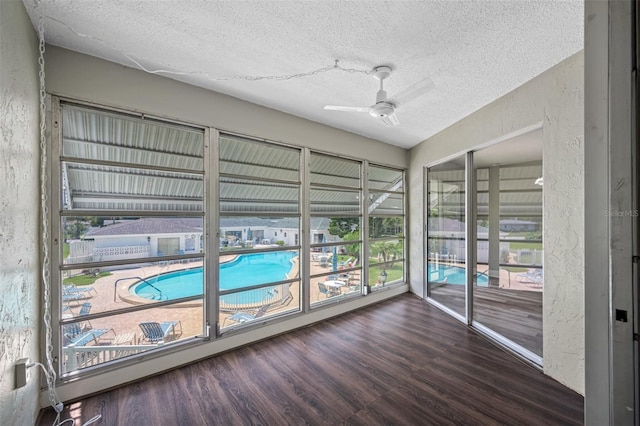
(446, 243)
(510, 246)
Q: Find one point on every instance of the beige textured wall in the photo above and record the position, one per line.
(19, 202)
(556, 99)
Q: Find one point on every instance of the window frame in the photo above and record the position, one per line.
(209, 238)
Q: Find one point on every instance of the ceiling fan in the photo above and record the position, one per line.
(385, 109)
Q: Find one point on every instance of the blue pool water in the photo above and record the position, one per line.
(453, 275)
(246, 270)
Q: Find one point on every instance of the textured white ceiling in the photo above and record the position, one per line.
(473, 51)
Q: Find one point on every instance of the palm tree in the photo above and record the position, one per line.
(352, 249)
(388, 250)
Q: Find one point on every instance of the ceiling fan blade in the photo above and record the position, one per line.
(347, 108)
(415, 90)
(391, 120)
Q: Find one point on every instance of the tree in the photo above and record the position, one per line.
(388, 250)
(385, 227)
(352, 249)
(342, 226)
(75, 231)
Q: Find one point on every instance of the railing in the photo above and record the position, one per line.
(115, 286)
(256, 298)
(75, 358)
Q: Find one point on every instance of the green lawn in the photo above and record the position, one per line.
(525, 245)
(515, 268)
(393, 273)
(85, 279)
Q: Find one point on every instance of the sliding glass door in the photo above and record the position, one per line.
(504, 298)
(446, 245)
(509, 249)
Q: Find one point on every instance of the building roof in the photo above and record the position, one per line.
(174, 225)
(150, 225)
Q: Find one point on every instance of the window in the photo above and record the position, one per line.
(142, 202)
(131, 210)
(446, 244)
(259, 193)
(484, 241)
(510, 249)
(336, 215)
(386, 226)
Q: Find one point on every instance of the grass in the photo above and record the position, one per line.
(393, 273)
(515, 268)
(85, 279)
(525, 245)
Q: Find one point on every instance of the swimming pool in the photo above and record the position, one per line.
(244, 271)
(453, 275)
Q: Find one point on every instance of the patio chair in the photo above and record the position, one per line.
(156, 332)
(354, 287)
(328, 291)
(242, 317)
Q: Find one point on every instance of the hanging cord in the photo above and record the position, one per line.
(130, 56)
(50, 373)
(49, 370)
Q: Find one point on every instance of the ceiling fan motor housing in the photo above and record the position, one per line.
(381, 109)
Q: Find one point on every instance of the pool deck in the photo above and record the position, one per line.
(190, 314)
(109, 297)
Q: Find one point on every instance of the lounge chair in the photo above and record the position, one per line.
(242, 317)
(85, 308)
(530, 277)
(74, 296)
(72, 288)
(77, 336)
(72, 330)
(536, 281)
(345, 263)
(156, 332)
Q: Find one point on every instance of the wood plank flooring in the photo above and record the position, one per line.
(515, 314)
(400, 362)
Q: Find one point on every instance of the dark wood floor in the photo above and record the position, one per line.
(400, 362)
(515, 314)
